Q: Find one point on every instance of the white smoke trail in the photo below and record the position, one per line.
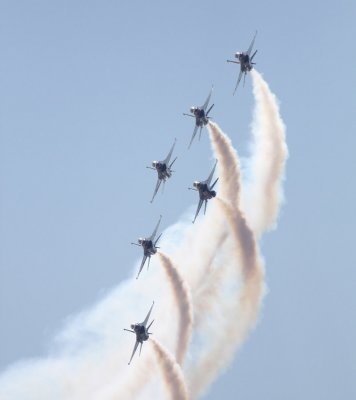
(244, 256)
(263, 196)
(184, 304)
(229, 166)
(171, 372)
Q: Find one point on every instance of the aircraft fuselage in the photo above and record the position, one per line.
(245, 62)
(141, 332)
(200, 117)
(204, 192)
(148, 247)
(163, 171)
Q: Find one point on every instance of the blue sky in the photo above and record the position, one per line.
(92, 92)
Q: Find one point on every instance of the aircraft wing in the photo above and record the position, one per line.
(238, 80)
(158, 184)
(166, 160)
(211, 174)
(134, 350)
(141, 266)
(193, 136)
(154, 233)
(251, 45)
(144, 323)
(198, 209)
(205, 105)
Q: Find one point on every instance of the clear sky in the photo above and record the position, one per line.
(92, 92)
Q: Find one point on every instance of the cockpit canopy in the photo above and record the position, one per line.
(155, 163)
(196, 184)
(141, 240)
(192, 109)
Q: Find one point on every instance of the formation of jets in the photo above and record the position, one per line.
(204, 188)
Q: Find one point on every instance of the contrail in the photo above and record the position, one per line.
(264, 194)
(171, 372)
(246, 260)
(229, 189)
(184, 304)
(242, 316)
(228, 165)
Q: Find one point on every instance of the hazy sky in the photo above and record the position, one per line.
(92, 92)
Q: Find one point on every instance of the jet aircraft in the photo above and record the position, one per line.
(206, 191)
(201, 116)
(163, 169)
(149, 246)
(246, 62)
(141, 331)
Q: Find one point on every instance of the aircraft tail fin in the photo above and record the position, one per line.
(158, 239)
(214, 183)
(207, 113)
(253, 55)
(149, 326)
(170, 165)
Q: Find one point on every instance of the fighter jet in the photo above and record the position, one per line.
(206, 191)
(201, 116)
(163, 169)
(149, 246)
(142, 333)
(245, 61)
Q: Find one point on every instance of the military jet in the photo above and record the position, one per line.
(141, 331)
(163, 169)
(201, 116)
(245, 61)
(206, 191)
(149, 246)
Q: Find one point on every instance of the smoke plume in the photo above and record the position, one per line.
(269, 155)
(184, 304)
(171, 372)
